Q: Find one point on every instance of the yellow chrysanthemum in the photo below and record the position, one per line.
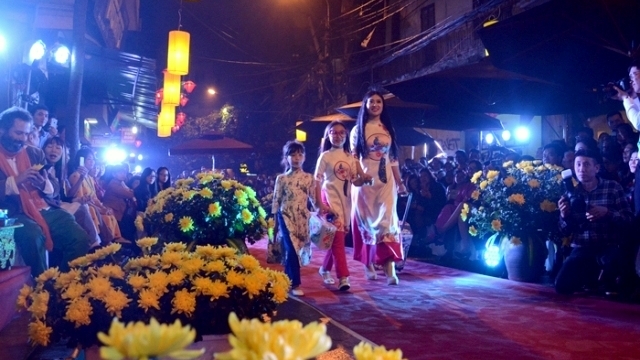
(111, 271)
(476, 177)
(98, 287)
(215, 266)
(215, 209)
(464, 212)
(115, 302)
(142, 341)
(534, 183)
(255, 283)
(507, 164)
(280, 292)
(184, 302)
(528, 169)
(262, 213)
(517, 199)
(253, 339)
(248, 262)
(509, 181)
(40, 304)
(139, 223)
(79, 312)
(202, 285)
(49, 274)
(235, 278)
(496, 225)
(39, 333)
(137, 282)
(175, 246)
(206, 251)
(365, 351)
(74, 291)
(484, 184)
(239, 194)
(158, 282)
(149, 299)
(243, 201)
(206, 179)
(67, 278)
(206, 193)
(250, 192)
(492, 175)
(226, 184)
(186, 223)
(219, 289)
(168, 217)
(176, 277)
(170, 258)
(247, 216)
(23, 296)
(147, 242)
(473, 231)
(192, 266)
(548, 206)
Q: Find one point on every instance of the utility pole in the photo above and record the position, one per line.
(80, 9)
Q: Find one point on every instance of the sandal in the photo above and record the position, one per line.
(326, 277)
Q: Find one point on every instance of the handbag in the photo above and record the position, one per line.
(321, 231)
(274, 251)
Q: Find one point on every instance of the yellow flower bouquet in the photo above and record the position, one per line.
(206, 210)
(520, 199)
(200, 288)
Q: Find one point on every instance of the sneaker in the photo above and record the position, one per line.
(370, 272)
(326, 277)
(344, 284)
(297, 292)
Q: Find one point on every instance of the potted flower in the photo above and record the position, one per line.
(206, 210)
(516, 209)
(200, 288)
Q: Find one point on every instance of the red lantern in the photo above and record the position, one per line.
(180, 118)
(183, 100)
(189, 86)
(159, 96)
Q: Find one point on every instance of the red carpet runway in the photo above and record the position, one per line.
(443, 313)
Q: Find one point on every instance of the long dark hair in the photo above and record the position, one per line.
(362, 150)
(291, 147)
(82, 153)
(325, 144)
(146, 187)
(165, 184)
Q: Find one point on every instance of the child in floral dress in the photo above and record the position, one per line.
(291, 192)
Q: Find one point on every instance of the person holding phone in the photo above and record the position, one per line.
(376, 233)
(40, 120)
(26, 188)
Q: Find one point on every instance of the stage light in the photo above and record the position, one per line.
(114, 156)
(132, 155)
(522, 134)
(134, 129)
(211, 91)
(37, 51)
(489, 138)
(506, 135)
(140, 157)
(61, 54)
(3, 43)
(138, 168)
(492, 256)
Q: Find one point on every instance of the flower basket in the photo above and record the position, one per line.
(200, 288)
(518, 202)
(206, 210)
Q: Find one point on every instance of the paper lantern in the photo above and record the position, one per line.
(178, 52)
(164, 131)
(183, 100)
(301, 135)
(189, 86)
(171, 90)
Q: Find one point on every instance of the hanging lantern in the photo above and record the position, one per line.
(183, 100)
(178, 52)
(164, 131)
(189, 86)
(159, 96)
(166, 119)
(180, 118)
(301, 135)
(171, 91)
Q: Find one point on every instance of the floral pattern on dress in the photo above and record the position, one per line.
(291, 194)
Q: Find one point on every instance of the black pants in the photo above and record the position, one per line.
(584, 265)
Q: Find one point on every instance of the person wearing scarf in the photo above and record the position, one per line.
(23, 189)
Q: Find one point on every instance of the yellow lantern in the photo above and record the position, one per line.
(171, 90)
(301, 135)
(178, 52)
(164, 131)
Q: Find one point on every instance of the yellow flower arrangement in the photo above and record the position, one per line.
(206, 283)
(519, 198)
(141, 341)
(289, 340)
(207, 209)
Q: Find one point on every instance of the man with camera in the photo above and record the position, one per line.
(592, 213)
